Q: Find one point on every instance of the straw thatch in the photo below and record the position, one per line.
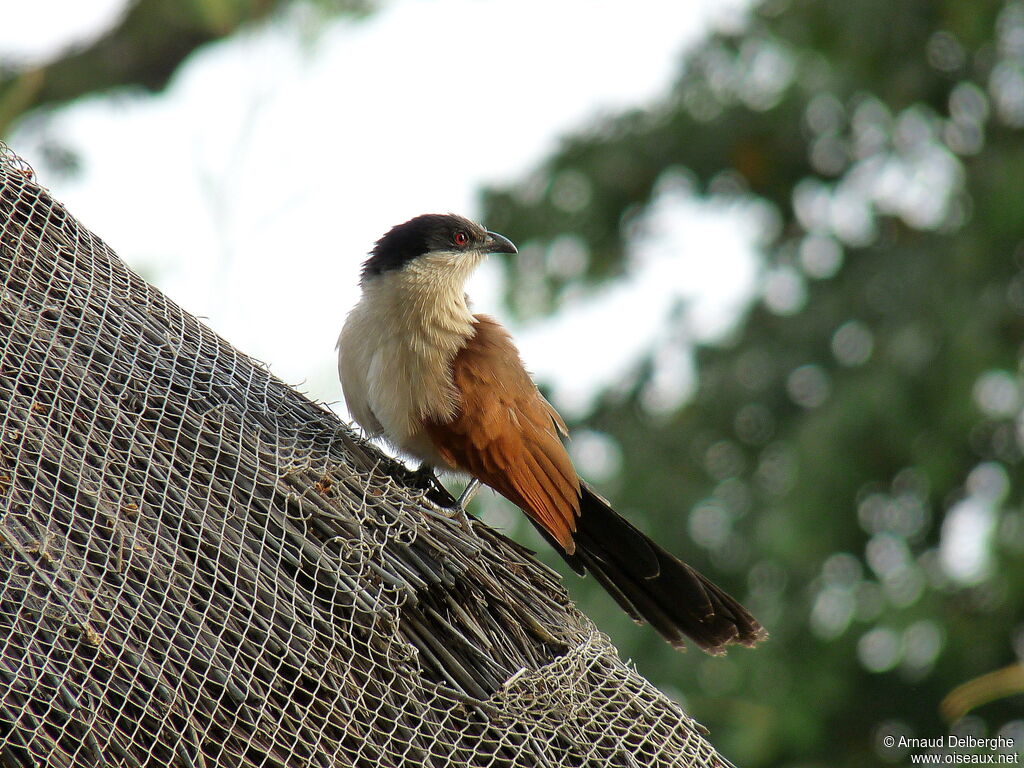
(201, 567)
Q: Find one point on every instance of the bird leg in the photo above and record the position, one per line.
(459, 510)
(425, 478)
(469, 493)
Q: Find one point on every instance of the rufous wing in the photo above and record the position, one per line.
(506, 434)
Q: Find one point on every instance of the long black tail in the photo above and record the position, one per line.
(653, 585)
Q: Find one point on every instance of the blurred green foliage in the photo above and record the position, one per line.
(143, 50)
(850, 464)
(863, 423)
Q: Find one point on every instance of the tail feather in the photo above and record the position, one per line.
(654, 586)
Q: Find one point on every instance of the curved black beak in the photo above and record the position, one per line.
(496, 243)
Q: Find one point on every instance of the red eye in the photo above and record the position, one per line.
(460, 238)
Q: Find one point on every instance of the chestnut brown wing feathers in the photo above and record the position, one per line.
(506, 434)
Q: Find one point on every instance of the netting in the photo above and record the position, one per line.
(201, 567)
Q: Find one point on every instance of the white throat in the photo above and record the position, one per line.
(427, 297)
(397, 346)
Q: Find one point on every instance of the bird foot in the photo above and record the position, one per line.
(459, 514)
(456, 508)
(459, 510)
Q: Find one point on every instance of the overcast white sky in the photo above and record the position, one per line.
(252, 188)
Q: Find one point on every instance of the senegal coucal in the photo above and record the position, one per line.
(448, 388)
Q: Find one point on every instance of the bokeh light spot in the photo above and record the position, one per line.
(808, 386)
(879, 649)
(852, 343)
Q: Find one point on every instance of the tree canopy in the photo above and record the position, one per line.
(851, 457)
(850, 461)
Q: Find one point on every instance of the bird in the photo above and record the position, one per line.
(448, 388)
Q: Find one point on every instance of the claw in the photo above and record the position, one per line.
(426, 479)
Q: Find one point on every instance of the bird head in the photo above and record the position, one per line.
(443, 244)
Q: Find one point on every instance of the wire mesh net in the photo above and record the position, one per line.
(201, 567)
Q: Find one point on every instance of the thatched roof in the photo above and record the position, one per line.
(201, 567)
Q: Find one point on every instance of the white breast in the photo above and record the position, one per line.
(396, 348)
